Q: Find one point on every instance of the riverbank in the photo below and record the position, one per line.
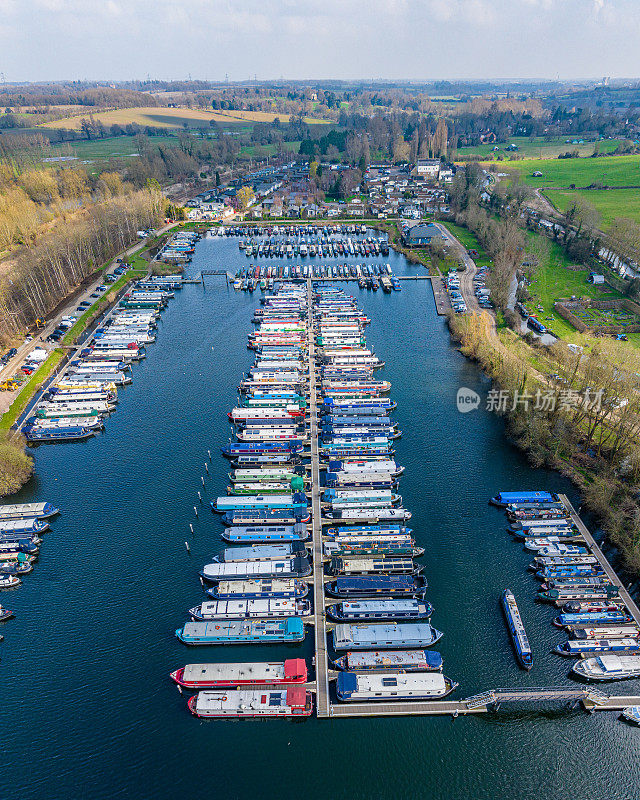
(154, 449)
(560, 435)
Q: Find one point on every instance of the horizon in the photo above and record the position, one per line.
(356, 39)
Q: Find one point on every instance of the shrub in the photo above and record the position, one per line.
(15, 465)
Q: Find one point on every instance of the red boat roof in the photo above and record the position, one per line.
(294, 667)
(296, 696)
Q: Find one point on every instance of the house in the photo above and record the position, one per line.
(421, 235)
(428, 168)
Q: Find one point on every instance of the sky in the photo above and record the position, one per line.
(348, 39)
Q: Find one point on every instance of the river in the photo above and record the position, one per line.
(88, 708)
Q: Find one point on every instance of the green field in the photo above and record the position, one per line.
(611, 203)
(537, 147)
(553, 281)
(582, 172)
(469, 241)
(104, 149)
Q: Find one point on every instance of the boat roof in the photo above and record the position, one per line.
(253, 670)
(250, 699)
(375, 581)
(392, 681)
(394, 658)
(255, 605)
(242, 568)
(399, 632)
(274, 585)
(231, 628)
(380, 605)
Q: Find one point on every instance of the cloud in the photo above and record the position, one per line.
(414, 39)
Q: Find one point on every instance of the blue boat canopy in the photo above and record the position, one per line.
(525, 497)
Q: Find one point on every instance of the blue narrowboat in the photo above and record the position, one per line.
(242, 632)
(372, 610)
(260, 534)
(577, 648)
(266, 516)
(503, 499)
(377, 585)
(235, 449)
(516, 630)
(295, 501)
(592, 618)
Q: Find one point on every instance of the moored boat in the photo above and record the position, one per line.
(516, 629)
(364, 687)
(292, 702)
(221, 676)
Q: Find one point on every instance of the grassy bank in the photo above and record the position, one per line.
(597, 449)
(25, 394)
(610, 203)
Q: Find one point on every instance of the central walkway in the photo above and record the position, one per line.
(322, 673)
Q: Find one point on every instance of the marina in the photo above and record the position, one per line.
(476, 650)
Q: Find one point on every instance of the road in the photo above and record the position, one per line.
(470, 270)
(6, 398)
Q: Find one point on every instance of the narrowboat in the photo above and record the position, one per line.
(504, 499)
(47, 435)
(570, 621)
(356, 515)
(250, 609)
(235, 449)
(368, 530)
(606, 632)
(396, 660)
(575, 648)
(296, 501)
(297, 567)
(547, 547)
(631, 714)
(260, 534)
(266, 474)
(252, 703)
(376, 585)
(266, 516)
(259, 588)
(590, 593)
(242, 632)
(387, 466)
(364, 687)
(516, 629)
(267, 552)
(608, 668)
(587, 606)
(365, 546)
(372, 610)
(373, 566)
(23, 525)
(259, 487)
(383, 636)
(253, 673)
